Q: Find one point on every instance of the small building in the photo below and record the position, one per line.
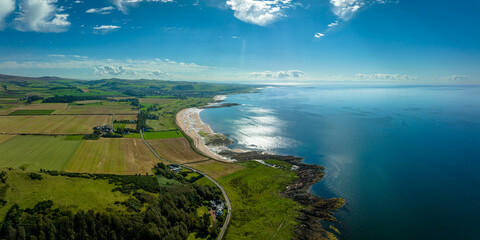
(174, 168)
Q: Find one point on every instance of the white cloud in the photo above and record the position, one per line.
(278, 75)
(345, 9)
(319, 35)
(129, 68)
(106, 27)
(104, 10)
(6, 7)
(41, 16)
(333, 24)
(123, 5)
(259, 12)
(383, 76)
(124, 71)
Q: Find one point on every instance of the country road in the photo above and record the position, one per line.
(227, 200)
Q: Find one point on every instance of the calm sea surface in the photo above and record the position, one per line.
(406, 159)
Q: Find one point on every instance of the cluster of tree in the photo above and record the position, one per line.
(33, 98)
(70, 99)
(163, 219)
(124, 121)
(126, 130)
(133, 101)
(94, 136)
(155, 212)
(142, 120)
(3, 177)
(35, 176)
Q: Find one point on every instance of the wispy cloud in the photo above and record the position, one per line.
(319, 35)
(106, 27)
(123, 5)
(385, 76)
(41, 16)
(104, 10)
(6, 8)
(333, 24)
(259, 12)
(347, 9)
(456, 78)
(290, 74)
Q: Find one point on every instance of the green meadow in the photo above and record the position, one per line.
(71, 193)
(259, 210)
(38, 152)
(157, 135)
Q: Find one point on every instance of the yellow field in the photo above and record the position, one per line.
(58, 107)
(176, 150)
(52, 124)
(156, 100)
(88, 101)
(125, 156)
(103, 108)
(216, 169)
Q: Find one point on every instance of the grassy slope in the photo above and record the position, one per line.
(169, 110)
(36, 152)
(65, 192)
(258, 210)
(216, 169)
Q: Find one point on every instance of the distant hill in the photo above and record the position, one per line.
(11, 78)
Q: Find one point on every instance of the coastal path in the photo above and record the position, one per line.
(227, 200)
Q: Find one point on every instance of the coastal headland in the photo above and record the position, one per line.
(312, 208)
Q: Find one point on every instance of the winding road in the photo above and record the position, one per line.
(227, 200)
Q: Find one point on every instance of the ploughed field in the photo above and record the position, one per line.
(52, 124)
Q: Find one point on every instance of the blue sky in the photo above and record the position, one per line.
(404, 41)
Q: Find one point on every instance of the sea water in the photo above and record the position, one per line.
(405, 159)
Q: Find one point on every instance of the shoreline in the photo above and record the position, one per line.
(315, 208)
(189, 121)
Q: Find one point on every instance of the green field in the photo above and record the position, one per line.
(162, 135)
(37, 152)
(156, 135)
(31, 112)
(65, 192)
(258, 208)
(168, 112)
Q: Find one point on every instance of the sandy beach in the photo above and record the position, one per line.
(189, 121)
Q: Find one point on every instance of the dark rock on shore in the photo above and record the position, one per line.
(314, 208)
(220, 105)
